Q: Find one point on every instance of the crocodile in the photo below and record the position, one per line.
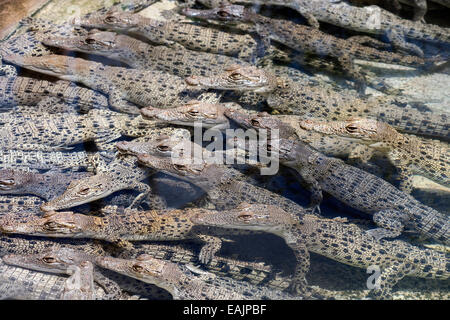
(141, 87)
(80, 285)
(187, 282)
(337, 240)
(44, 185)
(48, 132)
(287, 97)
(122, 225)
(391, 209)
(411, 154)
(121, 173)
(370, 19)
(168, 33)
(221, 116)
(309, 40)
(140, 55)
(226, 187)
(20, 90)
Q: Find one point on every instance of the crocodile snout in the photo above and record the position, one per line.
(150, 113)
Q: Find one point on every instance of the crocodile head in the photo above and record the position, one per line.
(257, 217)
(96, 42)
(55, 260)
(145, 268)
(210, 115)
(54, 224)
(63, 67)
(359, 129)
(226, 13)
(83, 191)
(163, 146)
(113, 20)
(14, 181)
(239, 78)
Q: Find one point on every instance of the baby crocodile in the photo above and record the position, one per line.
(411, 154)
(17, 90)
(121, 173)
(142, 87)
(371, 19)
(188, 35)
(340, 241)
(391, 208)
(305, 100)
(308, 40)
(120, 225)
(37, 131)
(44, 185)
(185, 282)
(140, 55)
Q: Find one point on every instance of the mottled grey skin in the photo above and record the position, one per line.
(141, 87)
(392, 209)
(339, 241)
(140, 55)
(47, 132)
(44, 185)
(297, 98)
(371, 19)
(188, 283)
(308, 40)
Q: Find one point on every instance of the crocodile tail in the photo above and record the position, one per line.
(415, 121)
(432, 223)
(427, 32)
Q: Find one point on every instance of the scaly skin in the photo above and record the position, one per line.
(141, 87)
(34, 159)
(80, 285)
(391, 208)
(140, 55)
(183, 283)
(188, 35)
(48, 132)
(410, 154)
(420, 6)
(308, 40)
(44, 185)
(339, 241)
(124, 225)
(371, 19)
(312, 101)
(121, 173)
(226, 187)
(29, 91)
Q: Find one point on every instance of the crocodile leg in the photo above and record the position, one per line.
(299, 284)
(310, 18)
(7, 70)
(208, 251)
(143, 188)
(397, 40)
(406, 179)
(348, 66)
(314, 187)
(112, 289)
(389, 277)
(390, 223)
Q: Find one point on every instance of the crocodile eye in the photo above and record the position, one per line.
(110, 19)
(89, 41)
(7, 182)
(51, 226)
(163, 148)
(48, 259)
(351, 128)
(235, 76)
(137, 268)
(84, 191)
(245, 217)
(179, 167)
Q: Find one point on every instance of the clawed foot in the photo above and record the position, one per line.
(206, 255)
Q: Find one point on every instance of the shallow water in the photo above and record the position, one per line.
(429, 90)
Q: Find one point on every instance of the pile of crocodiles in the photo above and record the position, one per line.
(200, 156)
